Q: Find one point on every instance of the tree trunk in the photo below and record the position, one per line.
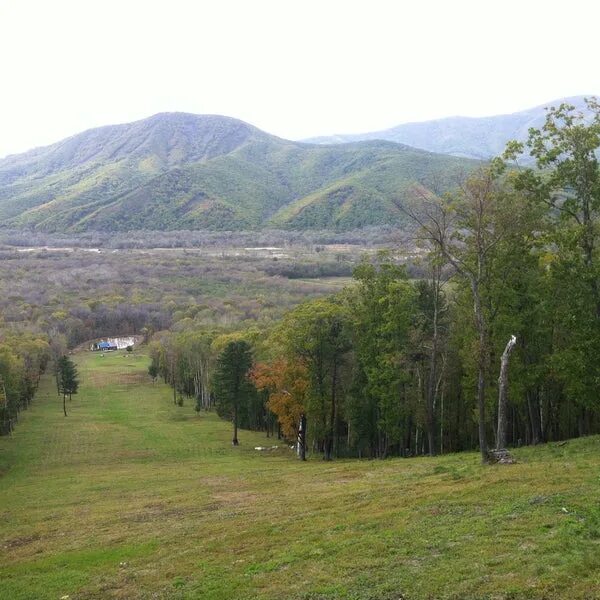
(327, 449)
(502, 393)
(408, 437)
(533, 407)
(431, 384)
(235, 441)
(442, 422)
(481, 363)
(302, 438)
(430, 408)
(197, 389)
(588, 248)
(65, 404)
(334, 411)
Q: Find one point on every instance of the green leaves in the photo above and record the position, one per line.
(68, 378)
(230, 382)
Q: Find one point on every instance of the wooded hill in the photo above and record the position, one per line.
(184, 171)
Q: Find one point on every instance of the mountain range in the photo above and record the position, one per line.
(184, 171)
(470, 137)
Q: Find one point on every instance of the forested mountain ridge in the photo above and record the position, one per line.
(184, 171)
(171, 138)
(471, 137)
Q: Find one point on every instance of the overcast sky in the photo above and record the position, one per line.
(293, 68)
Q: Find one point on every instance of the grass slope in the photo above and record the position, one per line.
(132, 497)
(180, 171)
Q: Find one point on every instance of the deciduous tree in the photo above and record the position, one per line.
(317, 333)
(286, 383)
(465, 229)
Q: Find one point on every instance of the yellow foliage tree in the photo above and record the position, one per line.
(286, 384)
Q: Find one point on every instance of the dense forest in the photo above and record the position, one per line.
(399, 366)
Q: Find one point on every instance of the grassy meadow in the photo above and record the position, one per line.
(132, 497)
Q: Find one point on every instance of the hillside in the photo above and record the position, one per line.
(183, 171)
(478, 138)
(133, 497)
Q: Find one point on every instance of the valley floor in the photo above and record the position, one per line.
(132, 497)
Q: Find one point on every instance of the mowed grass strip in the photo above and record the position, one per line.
(133, 497)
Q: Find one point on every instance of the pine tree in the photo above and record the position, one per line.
(67, 379)
(232, 387)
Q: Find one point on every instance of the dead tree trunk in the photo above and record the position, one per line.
(502, 395)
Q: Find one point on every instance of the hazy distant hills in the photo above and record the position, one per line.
(480, 138)
(183, 171)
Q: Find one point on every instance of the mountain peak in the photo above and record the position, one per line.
(161, 141)
(186, 171)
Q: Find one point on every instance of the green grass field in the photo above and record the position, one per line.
(131, 497)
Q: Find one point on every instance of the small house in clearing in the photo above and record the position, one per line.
(104, 346)
(116, 343)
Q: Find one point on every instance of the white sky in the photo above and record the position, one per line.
(295, 68)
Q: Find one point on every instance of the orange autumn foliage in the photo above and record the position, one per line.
(286, 384)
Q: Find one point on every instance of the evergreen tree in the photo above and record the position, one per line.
(233, 389)
(153, 371)
(68, 379)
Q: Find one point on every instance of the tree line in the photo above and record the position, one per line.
(394, 366)
(24, 357)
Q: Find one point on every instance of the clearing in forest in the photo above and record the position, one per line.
(133, 497)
